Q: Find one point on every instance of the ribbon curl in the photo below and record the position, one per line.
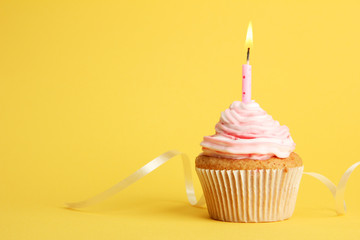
(142, 172)
(338, 191)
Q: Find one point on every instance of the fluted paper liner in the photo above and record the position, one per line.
(263, 195)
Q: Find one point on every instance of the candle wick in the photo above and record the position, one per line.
(248, 56)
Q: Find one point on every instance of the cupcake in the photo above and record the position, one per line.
(248, 170)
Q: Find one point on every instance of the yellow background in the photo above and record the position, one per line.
(92, 90)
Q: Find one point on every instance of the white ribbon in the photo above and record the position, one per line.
(142, 172)
(338, 192)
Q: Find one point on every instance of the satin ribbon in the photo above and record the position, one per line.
(142, 172)
(338, 191)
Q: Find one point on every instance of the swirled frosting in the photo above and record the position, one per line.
(246, 131)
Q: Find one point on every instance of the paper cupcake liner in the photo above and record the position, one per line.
(263, 195)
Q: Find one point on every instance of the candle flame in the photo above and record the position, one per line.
(249, 37)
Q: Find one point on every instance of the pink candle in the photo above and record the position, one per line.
(246, 83)
(246, 68)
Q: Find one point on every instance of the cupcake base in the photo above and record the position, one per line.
(261, 195)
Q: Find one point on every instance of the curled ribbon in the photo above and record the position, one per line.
(142, 172)
(338, 192)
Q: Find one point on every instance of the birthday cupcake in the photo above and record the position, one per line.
(248, 170)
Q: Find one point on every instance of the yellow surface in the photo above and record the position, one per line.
(92, 90)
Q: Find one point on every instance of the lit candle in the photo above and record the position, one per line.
(246, 68)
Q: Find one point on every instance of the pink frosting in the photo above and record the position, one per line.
(246, 131)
